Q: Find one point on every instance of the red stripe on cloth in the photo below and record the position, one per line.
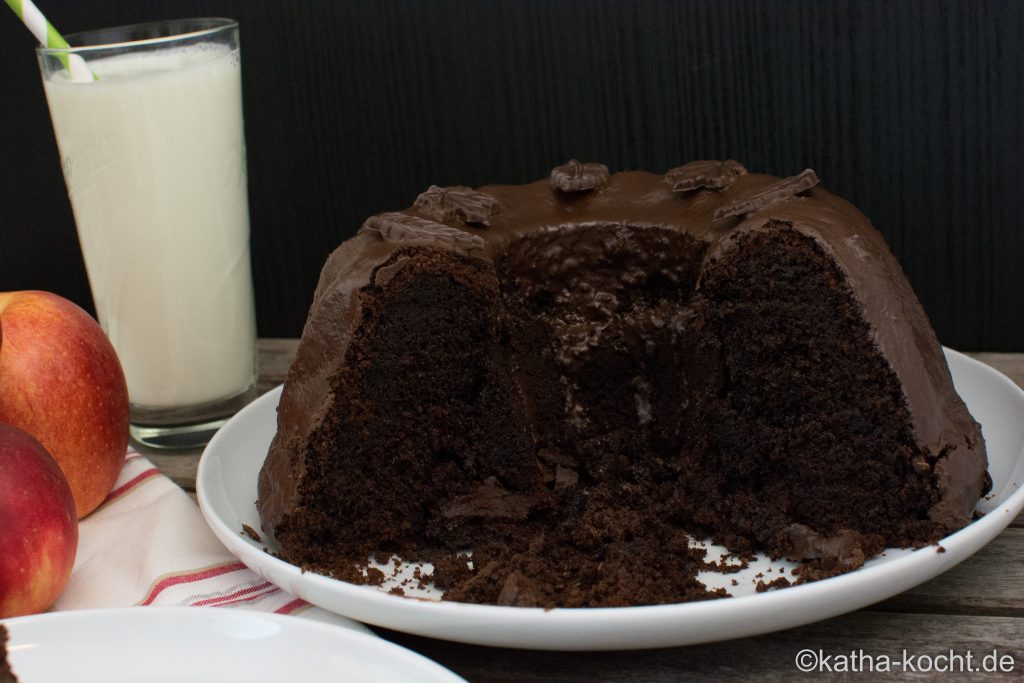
(189, 577)
(292, 606)
(248, 598)
(232, 596)
(130, 484)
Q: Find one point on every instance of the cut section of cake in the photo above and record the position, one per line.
(570, 379)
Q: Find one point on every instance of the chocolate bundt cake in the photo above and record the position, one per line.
(570, 378)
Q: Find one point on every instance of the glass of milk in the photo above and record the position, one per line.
(153, 154)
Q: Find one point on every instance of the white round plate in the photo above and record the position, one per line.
(227, 495)
(203, 645)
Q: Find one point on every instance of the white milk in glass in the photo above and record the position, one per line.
(154, 160)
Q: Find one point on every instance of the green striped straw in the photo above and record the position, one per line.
(48, 36)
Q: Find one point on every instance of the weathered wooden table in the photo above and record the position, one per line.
(976, 608)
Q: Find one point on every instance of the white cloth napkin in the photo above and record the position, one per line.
(148, 544)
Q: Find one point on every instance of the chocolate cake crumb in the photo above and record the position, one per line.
(723, 566)
(251, 533)
(781, 582)
(423, 579)
(374, 576)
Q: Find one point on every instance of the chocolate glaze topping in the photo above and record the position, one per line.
(627, 213)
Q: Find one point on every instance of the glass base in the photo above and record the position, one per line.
(188, 427)
(176, 438)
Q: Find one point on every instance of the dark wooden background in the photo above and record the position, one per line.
(913, 110)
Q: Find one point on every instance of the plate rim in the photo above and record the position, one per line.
(606, 628)
(197, 617)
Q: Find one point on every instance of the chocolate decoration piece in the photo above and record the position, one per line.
(397, 227)
(708, 174)
(574, 176)
(445, 204)
(771, 195)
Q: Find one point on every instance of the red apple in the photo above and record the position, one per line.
(38, 526)
(61, 381)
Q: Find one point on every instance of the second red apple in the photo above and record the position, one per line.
(38, 526)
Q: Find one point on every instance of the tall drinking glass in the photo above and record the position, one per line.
(153, 153)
